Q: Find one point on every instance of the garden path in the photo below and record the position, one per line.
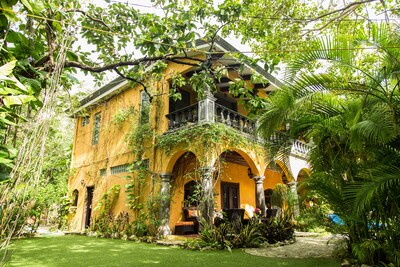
(307, 245)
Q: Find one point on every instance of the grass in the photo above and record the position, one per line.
(89, 251)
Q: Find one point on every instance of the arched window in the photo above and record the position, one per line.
(191, 194)
(75, 194)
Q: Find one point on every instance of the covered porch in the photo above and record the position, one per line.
(231, 184)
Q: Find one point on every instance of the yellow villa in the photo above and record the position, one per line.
(186, 156)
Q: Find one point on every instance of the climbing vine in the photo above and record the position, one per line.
(104, 207)
(205, 135)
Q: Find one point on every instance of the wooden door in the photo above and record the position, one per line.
(89, 203)
(230, 195)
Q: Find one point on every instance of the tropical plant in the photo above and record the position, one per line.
(344, 100)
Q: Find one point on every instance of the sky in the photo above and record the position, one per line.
(145, 6)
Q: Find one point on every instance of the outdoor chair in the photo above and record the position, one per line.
(190, 223)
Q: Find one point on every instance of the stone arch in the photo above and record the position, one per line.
(174, 158)
(247, 159)
(233, 183)
(302, 189)
(276, 172)
(182, 167)
(286, 172)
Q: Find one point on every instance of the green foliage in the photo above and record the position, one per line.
(277, 230)
(251, 234)
(14, 95)
(121, 116)
(313, 219)
(349, 110)
(104, 222)
(205, 134)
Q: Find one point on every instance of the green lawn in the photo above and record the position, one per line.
(88, 251)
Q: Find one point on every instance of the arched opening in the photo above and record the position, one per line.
(274, 174)
(75, 195)
(234, 186)
(184, 187)
(306, 196)
(268, 197)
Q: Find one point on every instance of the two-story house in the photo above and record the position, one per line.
(186, 153)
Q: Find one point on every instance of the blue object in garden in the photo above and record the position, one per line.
(336, 219)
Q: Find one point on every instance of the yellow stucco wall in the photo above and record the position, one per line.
(112, 150)
(272, 178)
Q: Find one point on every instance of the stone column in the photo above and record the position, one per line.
(293, 188)
(260, 198)
(165, 201)
(207, 196)
(207, 107)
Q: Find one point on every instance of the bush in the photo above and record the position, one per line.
(252, 234)
(277, 231)
(313, 219)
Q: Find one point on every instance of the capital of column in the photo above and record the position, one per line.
(166, 177)
(259, 179)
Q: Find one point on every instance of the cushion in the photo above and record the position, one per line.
(184, 223)
(191, 213)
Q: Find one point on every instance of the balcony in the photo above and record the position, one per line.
(209, 111)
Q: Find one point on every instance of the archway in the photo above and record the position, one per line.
(184, 172)
(234, 185)
(306, 197)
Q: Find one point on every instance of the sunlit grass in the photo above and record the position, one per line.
(88, 251)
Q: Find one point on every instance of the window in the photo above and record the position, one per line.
(96, 129)
(144, 107)
(85, 120)
(141, 163)
(103, 172)
(75, 194)
(119, 168)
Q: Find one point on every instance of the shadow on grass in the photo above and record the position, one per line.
(88, 251)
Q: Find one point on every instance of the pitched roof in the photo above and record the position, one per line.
(119, 84)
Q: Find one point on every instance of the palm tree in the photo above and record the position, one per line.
(344, 98)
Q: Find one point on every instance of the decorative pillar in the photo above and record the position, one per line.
(207, 107)
(207, 196)
(165, 201)
(293, 188)
(260, 198)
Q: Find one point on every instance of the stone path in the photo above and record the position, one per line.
(306, 246)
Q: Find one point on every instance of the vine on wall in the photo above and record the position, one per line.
(205, 135)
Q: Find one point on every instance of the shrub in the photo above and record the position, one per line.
(254, 233)
(313, 219)
(277, 231)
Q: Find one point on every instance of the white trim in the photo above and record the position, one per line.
(112, 90)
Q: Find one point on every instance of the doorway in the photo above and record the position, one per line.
(230, 195)
(89, 204)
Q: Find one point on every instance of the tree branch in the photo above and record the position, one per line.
(136, 81)
(342, 9)
(90, 17)
(79, 65)
(168, 57)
